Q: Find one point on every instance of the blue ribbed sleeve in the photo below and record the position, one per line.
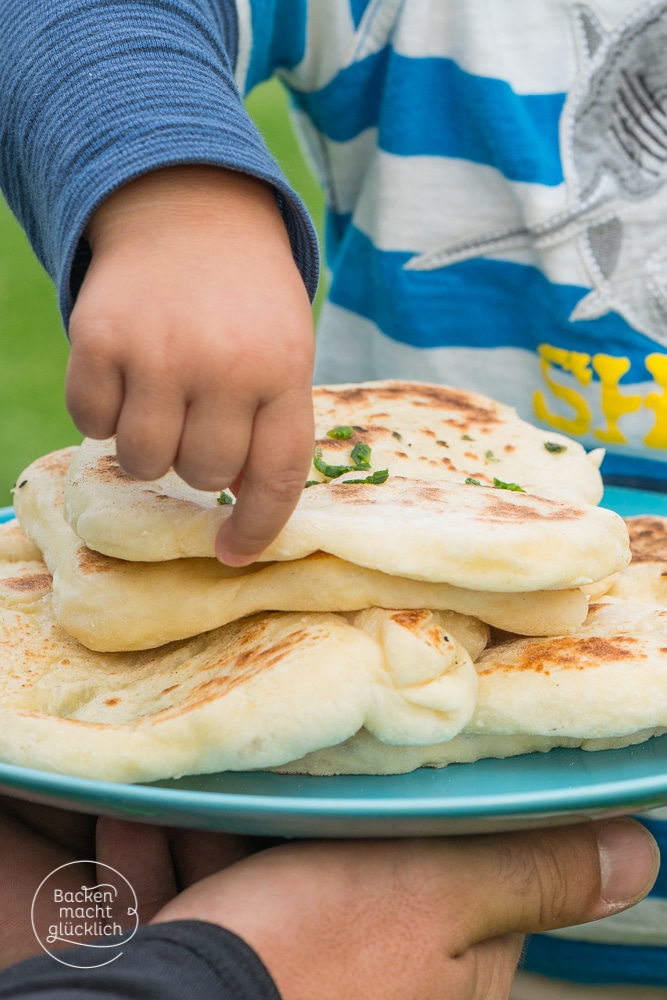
(96, 92)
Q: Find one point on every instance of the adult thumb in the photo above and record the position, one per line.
(544, 879)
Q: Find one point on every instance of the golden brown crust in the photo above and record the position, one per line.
(648, 538)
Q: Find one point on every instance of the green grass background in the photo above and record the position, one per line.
(33, 346)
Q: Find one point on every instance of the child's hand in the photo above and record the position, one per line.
(192, 341)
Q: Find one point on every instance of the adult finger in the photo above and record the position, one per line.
(26, 858)
(197, 854)
(140, 853)
(544, 879)
(416, 918)
(73, 831)
(274, 474)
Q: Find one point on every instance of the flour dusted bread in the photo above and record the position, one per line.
(431, 439)
(603, 687)
(361, 643)
(374, 692)
(112, 604)
(255, 693)
(467, 536)
(645, 579)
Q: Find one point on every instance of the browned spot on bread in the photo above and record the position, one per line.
(413, 620)
(526, 507)
(112, 701)
(238, 668)
(109, 470)
(410, 619)
(90, 561)
(595, 608)
(570, 653)
(648, 538)
(57, 462)
(466, 409)
(498, 505)
(31, 583)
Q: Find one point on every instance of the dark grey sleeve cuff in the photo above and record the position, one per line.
(170, 961)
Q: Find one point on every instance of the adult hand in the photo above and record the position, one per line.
(418, 919)
(192, 341)
(158, 863)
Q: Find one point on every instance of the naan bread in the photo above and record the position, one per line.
(252, 694)
(441, 529)
(465, 535)
(112, 604)
(645, 579)
(16, 547)
(601, 688)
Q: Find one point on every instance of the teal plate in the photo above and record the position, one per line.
(532, 790)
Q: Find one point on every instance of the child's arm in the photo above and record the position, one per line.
(191, 334)
(192, 340)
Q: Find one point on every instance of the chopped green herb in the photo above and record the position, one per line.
(490, 457)
(340, 433)
(312, 482)
(466, 437)
(443, 444)
(554, 446)
(330, 471)
(224, 498)
(500, 485)
(361, 455)
(375, 478)
(395, 434)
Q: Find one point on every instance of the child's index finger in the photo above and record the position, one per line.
(273, 479)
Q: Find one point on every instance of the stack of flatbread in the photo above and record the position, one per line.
(428, 602)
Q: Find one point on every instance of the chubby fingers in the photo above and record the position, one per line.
(219, 438)
(273, 477)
